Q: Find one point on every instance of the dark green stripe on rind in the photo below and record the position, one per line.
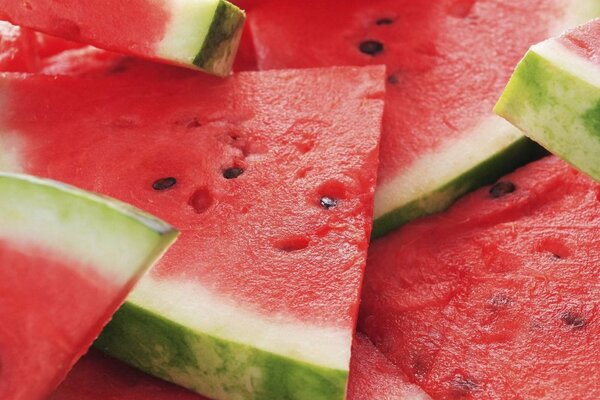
(213, 366)
(517, 154)
(220, 46)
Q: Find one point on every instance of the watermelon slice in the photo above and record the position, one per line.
(98, 377)
(448, 62)
(67, 260)
(498, 297)
(17, 49)
(270, 175)
(554, 96)
(197, 34)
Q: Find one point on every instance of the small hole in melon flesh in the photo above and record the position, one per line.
(201, 200)
(463, 386)
(555, 246)
(292, 243)
(461, 8)
(393, 79)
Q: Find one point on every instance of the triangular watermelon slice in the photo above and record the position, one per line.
(500, 296)
(196, 34)
(68, 259)
(448, 62)
(554, 96)
(270, 177)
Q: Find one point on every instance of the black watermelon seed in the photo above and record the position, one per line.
(164, 183)
(371, 47)
(573, 319)
(328, 202)
(232, 173)
(384, 21)
(501, 189)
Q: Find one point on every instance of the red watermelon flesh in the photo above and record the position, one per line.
(48, 45)
(448, 62)
(17, 49)
(287, 158)
(99, 377)
(498, 297)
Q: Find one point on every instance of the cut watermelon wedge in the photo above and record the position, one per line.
(197, 34)
(67, 261)
(554, 97)
(17, 49)
(499, 297)
(270, 176)
(98, 377)
(448, 62)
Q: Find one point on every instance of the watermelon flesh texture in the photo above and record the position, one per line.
(498, 297)
(296, 147)
(448, 62)
(99, 377)
(17, 49)
(64, 271)
(554, 96)
(196, 34)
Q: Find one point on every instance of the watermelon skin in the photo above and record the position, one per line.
(498, 296)
(212, 300)
(63, 274)
(17, 49)
(195, 34)
(554, 94)
(454, 56)
(99, 377)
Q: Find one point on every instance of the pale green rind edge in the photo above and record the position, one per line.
(211, 366)
(222, 41)
(498, 164)
(556, 109)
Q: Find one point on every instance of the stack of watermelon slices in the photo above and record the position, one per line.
(417, 311)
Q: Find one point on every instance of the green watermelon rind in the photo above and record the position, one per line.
(518, 153)
(553, 98)
(182, 355)
(220, 46)
(91, 229)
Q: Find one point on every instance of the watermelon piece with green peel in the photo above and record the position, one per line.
(99, 377)
(554, 96)
(448, 62)
(201, 34)
(68, 259)
(499, 297)
(269, 175)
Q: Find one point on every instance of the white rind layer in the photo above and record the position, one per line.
(187, 29)
(190, 304)
(92, 231)
(432, 171)
(569, 61)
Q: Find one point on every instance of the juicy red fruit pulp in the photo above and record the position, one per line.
(498, 297)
